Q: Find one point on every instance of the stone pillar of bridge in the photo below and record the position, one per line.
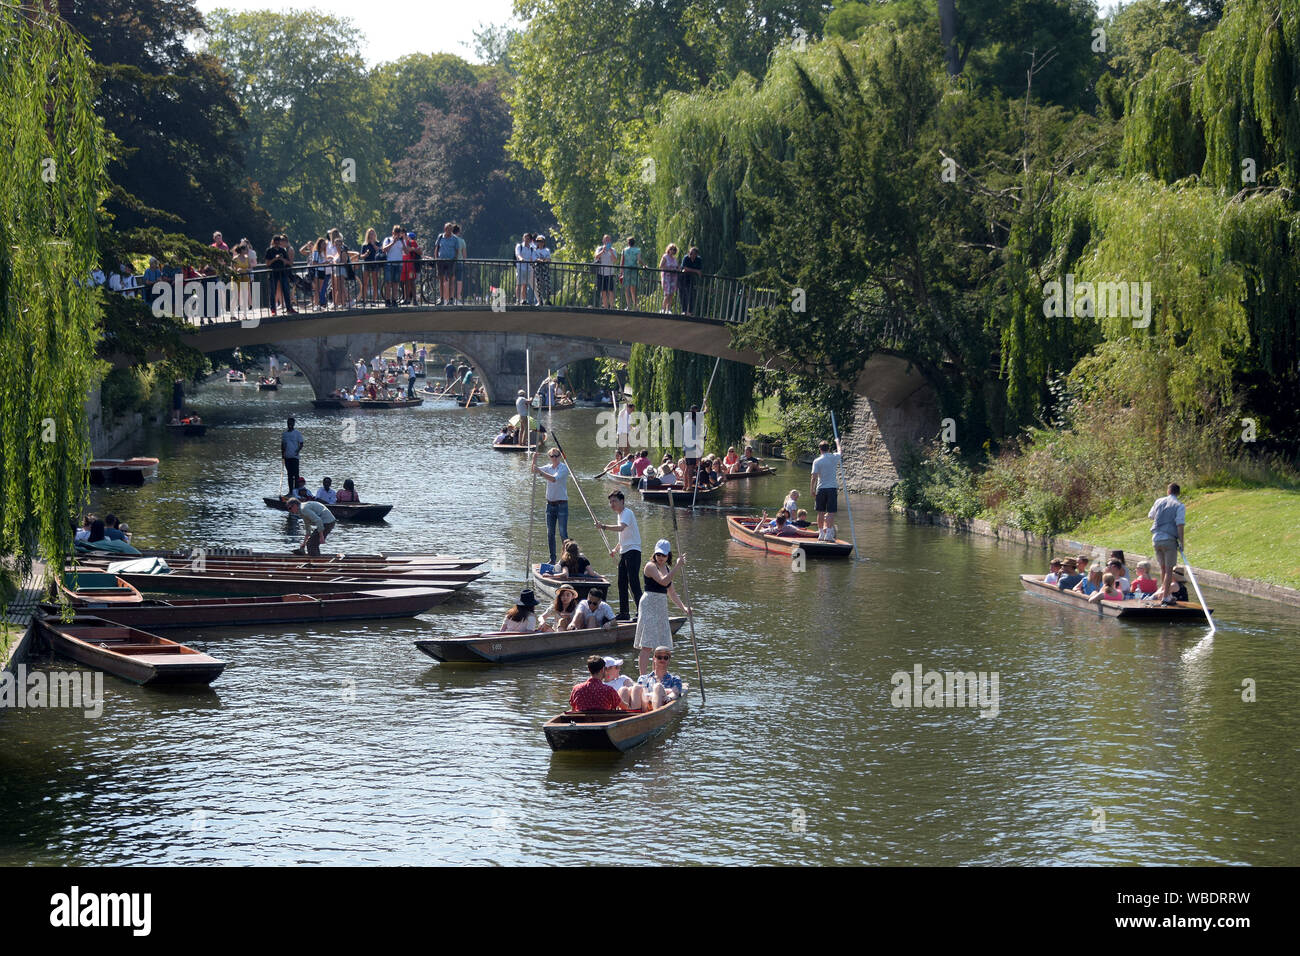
(881, 434)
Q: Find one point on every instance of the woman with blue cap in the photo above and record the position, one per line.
(653, 628)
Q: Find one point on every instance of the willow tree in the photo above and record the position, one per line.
(669, 380)
(50, 187)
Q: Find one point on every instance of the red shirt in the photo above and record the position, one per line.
(594, 694)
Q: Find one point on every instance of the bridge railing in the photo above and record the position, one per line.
(497, 284)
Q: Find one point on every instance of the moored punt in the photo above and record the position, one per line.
(502, 648)
(680, 498)
(324, 562)
(334, 403)
(756, 473)
(100, 470)
(274, 609)
(188, 429)
(611, 729)
(742, 530)
(548, 584)
(378, 403)
(251, 583)
(344, 512)
(514, 447)
(135, 471)
(97, 587)
(129, 653)
(1129, 610)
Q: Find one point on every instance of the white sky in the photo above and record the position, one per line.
(394, 29)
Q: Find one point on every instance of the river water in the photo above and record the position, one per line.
(1111, 742)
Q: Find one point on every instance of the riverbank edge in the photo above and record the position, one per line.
(1062, 545)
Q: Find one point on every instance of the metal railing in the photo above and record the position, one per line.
(496, 284)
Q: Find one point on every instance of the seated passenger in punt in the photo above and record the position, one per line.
(559, 615)
(642, 462)
(1070, 575)
(708, 473)
(1116, 567)
(325, 494)
(659, 686)
(1144, 585)
(1177, 591)
(520, 619)
(731, 460)
(801, 519)
(667, 471)
(628, 468)
(593, 612)
(349, 496)
(504, 437)
(1118, 555)
(573, 563)
(748, 462)
(629, 691)
(791, 501)
(1092, 583)
(650, 480)
(1053, 572)
(1108, 591)
(594, 693)
(301, 491)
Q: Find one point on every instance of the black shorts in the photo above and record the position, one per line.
(827, 500)
(445, 268)
(605, 283)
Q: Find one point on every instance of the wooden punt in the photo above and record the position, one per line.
(379, 403)
(325, 562)
(100, 470)
(1129, 610)
(680, 498)
(97, 587)
(742, 530)
(344, 512)
(235, 378)
(135, 471)
(547, 584)
(759, 473)
(394, 572)
(334, 403)
(129, 653)
(514, 447)
(188, 429)
(613, 729)
(499, 647)
(273, 609)
(251, 583)
(627, 481)
(268, 384)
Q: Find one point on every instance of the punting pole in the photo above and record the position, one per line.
(613, 399)
(1199, 596)
(857, 555)
(532, 479)
(577, 484)
(704, 408)
(690, 618)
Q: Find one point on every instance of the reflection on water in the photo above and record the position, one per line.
(347, 745)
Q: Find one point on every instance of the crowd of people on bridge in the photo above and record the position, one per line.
(327, 274)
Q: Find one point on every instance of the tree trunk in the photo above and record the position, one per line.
(948, 35)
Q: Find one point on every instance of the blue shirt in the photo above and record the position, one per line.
(670, 682)
(1087, 588)
(557, 490)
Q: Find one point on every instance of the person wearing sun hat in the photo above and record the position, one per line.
(653, 628)
(1069, 575)
(521, 618)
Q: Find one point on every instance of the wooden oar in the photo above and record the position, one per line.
(1199, 596)
(690, 617)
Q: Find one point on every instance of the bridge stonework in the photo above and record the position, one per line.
(497, 357)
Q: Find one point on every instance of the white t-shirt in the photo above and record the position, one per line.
(824, 468)
(585, 617)
(328, 495)
(622, 420)
(629, 539)
(394, 248)
(521, 409)
(690, 437)
(621, 681)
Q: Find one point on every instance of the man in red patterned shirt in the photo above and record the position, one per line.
(594, 693)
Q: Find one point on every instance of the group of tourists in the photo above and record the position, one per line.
(1109, 580)
(95, 529)
(677, 276)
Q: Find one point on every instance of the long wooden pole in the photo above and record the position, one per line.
(857, 555)
(704, 408)
(532, 479)
(1199, 596)
(690, 617)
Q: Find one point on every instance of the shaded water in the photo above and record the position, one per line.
(346, 745)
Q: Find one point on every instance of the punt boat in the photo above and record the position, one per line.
(135, 471)
(273, 609)
(680, 498)
(742, 530)
(499, 647)
(344, 512)
(100, 470)
(129, 653)
(188, 429)
(1129, 610)
(97, 587)
(612, 729)
(548, 584)
(757, 473)
(398, 560)
(334, 403)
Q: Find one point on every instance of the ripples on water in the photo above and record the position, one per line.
(346, 745)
